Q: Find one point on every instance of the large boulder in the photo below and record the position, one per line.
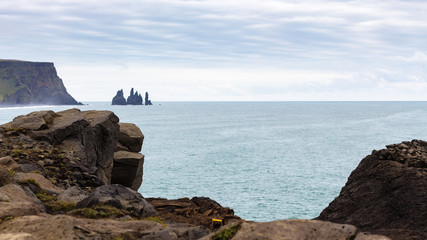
(16, 201)
(88, 137)
(16, 209)
(120, 197)
(38, 180)
(73, 195)
(119, 99)
(128, 169)
(131, 137)
(386, 193)
(128, 162)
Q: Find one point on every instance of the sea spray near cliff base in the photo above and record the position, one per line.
(265, 160)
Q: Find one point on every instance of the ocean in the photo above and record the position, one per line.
(265, 160)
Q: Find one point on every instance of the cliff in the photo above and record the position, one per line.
(387, 193)
(24, 82)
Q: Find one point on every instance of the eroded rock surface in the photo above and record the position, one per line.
(128, 162)
(290, 230)
(56, 227)
(386, 193)
(120, 197)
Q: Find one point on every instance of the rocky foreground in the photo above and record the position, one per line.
(74, 175)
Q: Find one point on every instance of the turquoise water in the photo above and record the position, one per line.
(266, 160)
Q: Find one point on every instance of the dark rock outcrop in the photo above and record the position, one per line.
(131, 137)
(128, 162)
(119, 99)
(197, 211)
(128, 169)
(387, 193)
(32, 83)
(147, 100)
(120, 197)
(87, 138)
(134, 98)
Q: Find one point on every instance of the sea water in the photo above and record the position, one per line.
(265, 160)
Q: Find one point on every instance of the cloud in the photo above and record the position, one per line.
(417, 57)
(297, 45)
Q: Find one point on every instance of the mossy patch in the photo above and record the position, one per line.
(155, 219)
(125, 236)
(99, 211)
(20, 152)
(54, 206)
(227, 233)
(46, 197)
(30, 181)
(60, 206)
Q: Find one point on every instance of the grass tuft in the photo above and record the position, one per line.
(227, 233)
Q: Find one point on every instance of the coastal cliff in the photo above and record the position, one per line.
(24, 82)
(387, 193)
(74, 174)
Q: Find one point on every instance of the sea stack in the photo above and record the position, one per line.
(24, 83)
(147, 101)
(119, 99)
(134, 98)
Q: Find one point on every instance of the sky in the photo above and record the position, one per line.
(225, 50)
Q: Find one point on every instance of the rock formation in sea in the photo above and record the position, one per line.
(24, 82)
(386, 194)
(147, 100)
(134, 98)
(119, 99)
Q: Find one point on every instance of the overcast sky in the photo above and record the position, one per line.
(222, 50)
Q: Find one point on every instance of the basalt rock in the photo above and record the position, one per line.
(197, 211)
(88, 138)
(147, 100)
(387, 193)
(134, 98)
(131, 137)
(120, 197)
(128, 162)
(128, 169)
(119, 99)
(32, 83)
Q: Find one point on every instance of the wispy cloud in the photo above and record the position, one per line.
(312, 36)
